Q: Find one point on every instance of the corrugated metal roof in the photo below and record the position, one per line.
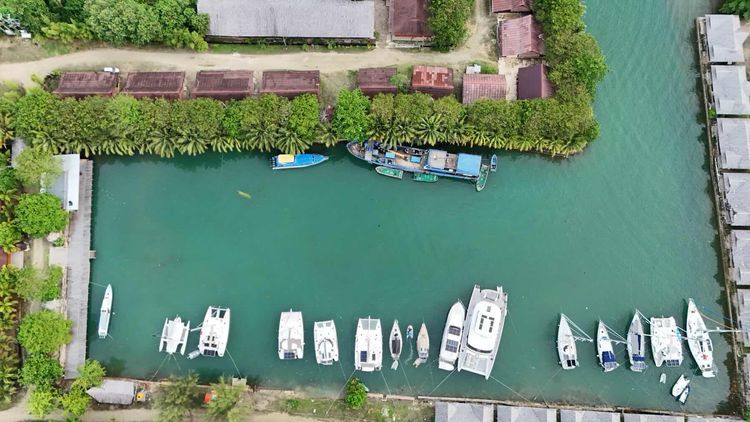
(478, 86)
(740, 251)
(737, 191)
(515, 6)
(375, 80)
(81, 84)
(290, 83)
(154, 84)
(223, 84)
(587, 416)
(630, 417)
(734, 143)
(520, 37)
(464, 412)
(725, 39)
(290, 18)
(525, 414)
(730, 90)
(408, 19)
(436, 81)
(533, 83)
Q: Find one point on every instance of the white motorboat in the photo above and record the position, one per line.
(605, 353)
(368, 345)
(291, 336)
(699, 342)
(483, 329)
(214, 332)
(666, 345)
(636, 344)
(395, 344)
(326, 342)
(684, 395)
(174, 336)
(566, 345)
(423, 346)
(454, 324)
(680, 385)
(105, 312)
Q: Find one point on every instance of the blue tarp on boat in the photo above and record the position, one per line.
(608, 357)
(469, 164)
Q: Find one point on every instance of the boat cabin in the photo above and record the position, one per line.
(464, 166)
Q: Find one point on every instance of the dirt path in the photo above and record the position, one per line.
(479, 46)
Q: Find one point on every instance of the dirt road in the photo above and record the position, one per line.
(479, 46)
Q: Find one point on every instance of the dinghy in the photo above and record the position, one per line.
(484, 173)
(699, 342)
(395, 344)
(423, 346)
(174, 336)
(409, 331)
(105, 312)
(636, 344)
(566, 345)
(679, 386)
(493, 163)
(604, 349)
(390, 172)
(684, 395)
(291, 336)
(452, 336)
(326, 342)
(368, 345)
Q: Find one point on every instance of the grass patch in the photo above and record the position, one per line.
(371, 411)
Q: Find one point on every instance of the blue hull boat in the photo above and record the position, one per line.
(288, 161)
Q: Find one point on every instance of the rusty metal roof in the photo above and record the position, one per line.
(376, 80)
(81, 84)
(483, 86)
(154, 84)
(436, 81)
(223, 84)
(520, 37)
(533, 83)
(408, 18)
(515, 6)
(290, 83)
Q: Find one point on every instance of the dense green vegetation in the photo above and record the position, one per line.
(172, 22)
(177, 398)
(40, 285)
(8, 345)
(737, 7)
(40, 214)
(44, 331)
(356, 393)
(447, 21)
(226, 402)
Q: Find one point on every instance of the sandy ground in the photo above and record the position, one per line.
(479, 46)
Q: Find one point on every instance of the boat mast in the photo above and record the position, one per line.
(578, 333)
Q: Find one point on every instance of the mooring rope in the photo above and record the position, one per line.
(386, 382)
(159, 368)
(343, 374)
(407, 380)
(340, 391)
(177, 363)
(235, 365)
(512, 390)
(441, 382)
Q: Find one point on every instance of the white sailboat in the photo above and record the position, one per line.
(483, 330)
(291, 336)
(214, 332)
(567, 351)
(174, 336)
(605, 352)
(395, 344)
(454, 324)
(326, 342)
(666, 345)
(423, 346)
(105, 312)
(368, 345)
(699, 342)
(636, 344)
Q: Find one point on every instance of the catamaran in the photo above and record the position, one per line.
(605, 352)
(395, 344)
(452, 336)
(214, 332)
(699, 342)
(105, 312)
(483, 329)
(289, 161)
(636, 344)
(368, 345)
(326, 342)
(666, 344)
(566, 342)
(174, 336)
(423, 346)
(291, 336)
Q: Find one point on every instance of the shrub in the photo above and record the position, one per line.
(447, 22)
(356, 393)
(40, 214)
(76, 402)
(42, 285)
(351, 120)
(10, 235)
(43, 401)
(36, 167)
(44, 331)
(177, 398)
(91, 374)
(225, 398)
(40, 370)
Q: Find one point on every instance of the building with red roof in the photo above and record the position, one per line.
(223, 84)
(155, 85)
(84, 84)
(478, 86)
(291, 83)
(533, 83)
(407, 20)
(520, 37)
(435, 81)
(511, 6)
(376, 80)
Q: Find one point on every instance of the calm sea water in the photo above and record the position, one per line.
(628, 224)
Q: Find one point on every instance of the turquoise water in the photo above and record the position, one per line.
(627, 224)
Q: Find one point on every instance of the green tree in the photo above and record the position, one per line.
(36, 167)
(90, 374)
(43, 401)
(356, 393)
(559, 16)
(447, 21)
(10, 235)
(576, 60)
(351, 119)
(305, 116)
(44, 331)
(40, 370)
(737, 7)
(31, 13)
(41, 285)
(225, 398)
(177, 398)
(40, 214)
(123, 21)
(75, 402)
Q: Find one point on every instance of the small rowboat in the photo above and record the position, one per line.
(389, 172)
(484, 173)
(493, 163)
(425, 177)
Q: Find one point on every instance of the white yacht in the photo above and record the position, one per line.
(666, 344)
(423, 346)
(105, 313)
(679, 386)
(636, 344)
(452, 336)
(214, 332)
(605, 353)
(174, 336)
(699, 342)
(368, 345)
(483, 329)
(326, 342)
(395, 344)
(291, 336)
(566, 345)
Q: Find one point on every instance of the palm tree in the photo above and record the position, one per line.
(496, 140)
(477, 137)
(190, 143)
(327, 135)
(430, 129)
(289, 142)
(161, 144)
(403, 133)
(6, 128)
(8, 308)
(44, 141)
(224, 144)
